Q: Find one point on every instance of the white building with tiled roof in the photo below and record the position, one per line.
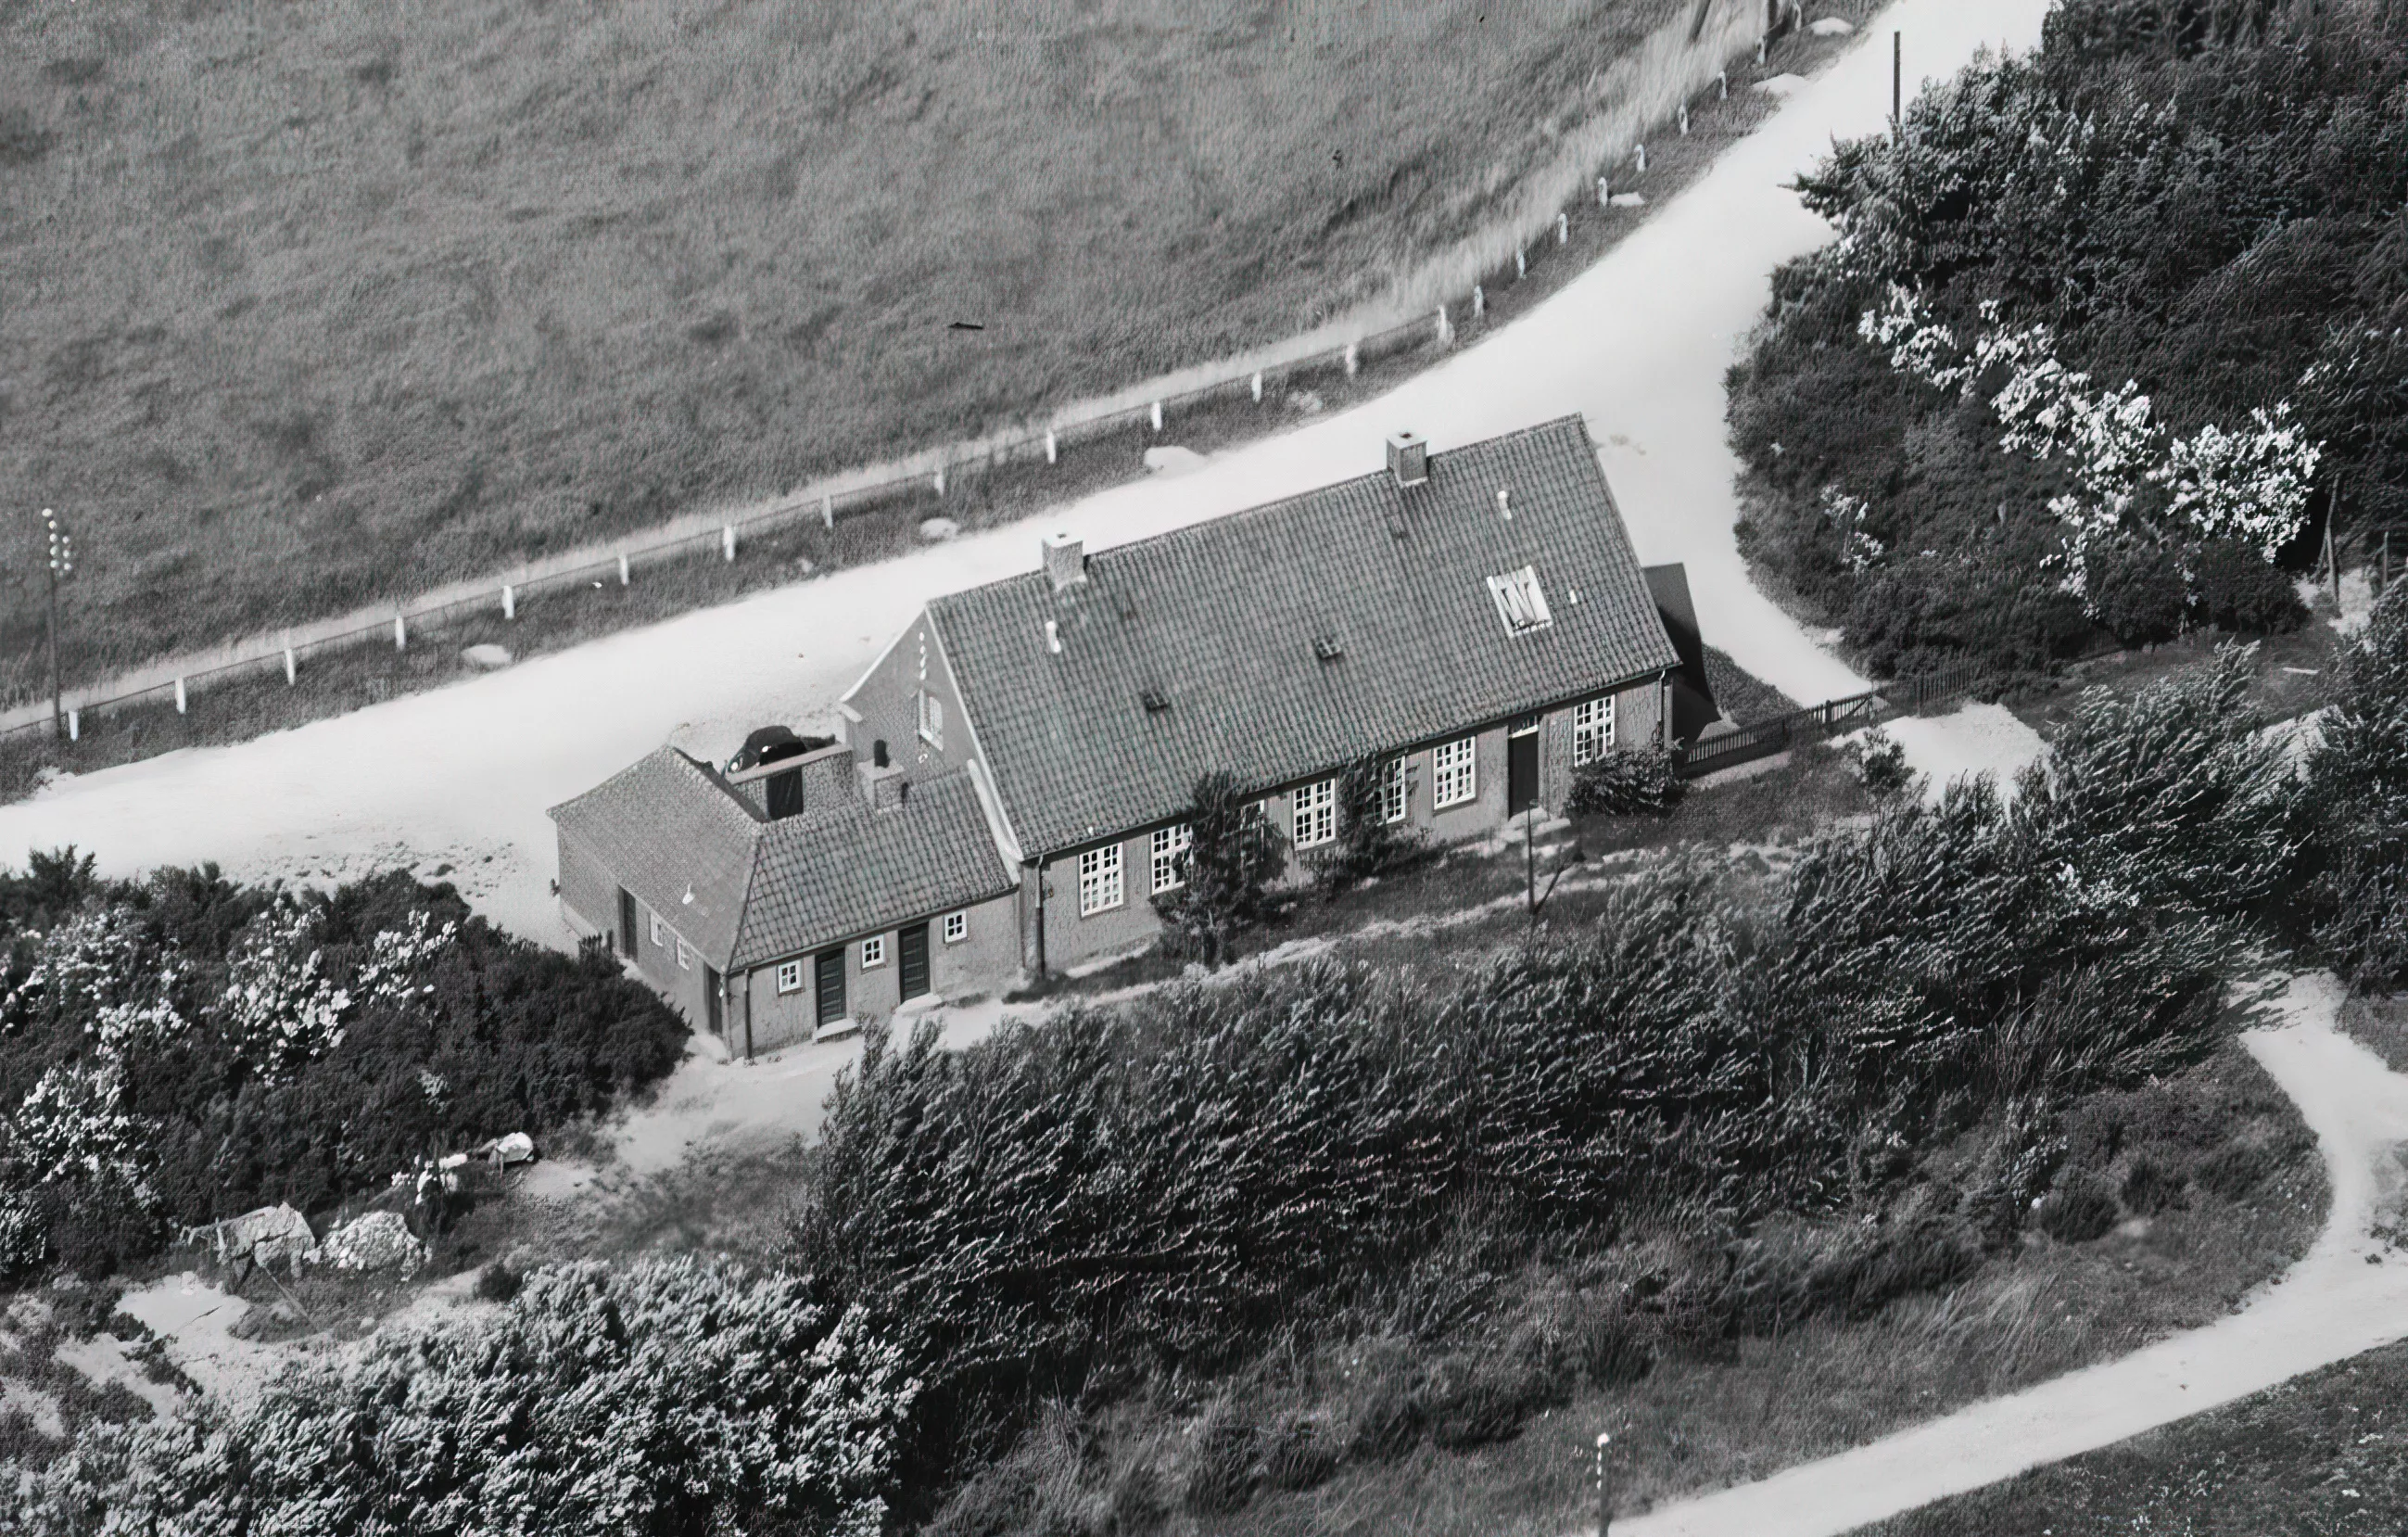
(1011, 792)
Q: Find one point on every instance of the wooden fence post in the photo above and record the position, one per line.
(1445, 329)
(1604, 192)
(623, 567)
(827, 511)
(1053, 448)
(1722, 82)
(1562, 228)
(1521, 263)
(75, 727)
(1156, 415)
(1354, 360)
(400, 634)
(509, 602)
(1258, 386)
(1759, 47)
(940, 479)
(1479, 301)
(1684, 120)
(727, 543)
(1643, 159)
(179, 695)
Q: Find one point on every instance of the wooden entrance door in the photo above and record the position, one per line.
(1522, 769)
(828, 985)
(911, 960)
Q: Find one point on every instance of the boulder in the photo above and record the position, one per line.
(263, 1237)
(938, 530)
(1171, 459)
(1831, 26)
(380, 1241)
(487, 657)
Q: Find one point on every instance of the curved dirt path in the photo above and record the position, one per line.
(2348, 1295)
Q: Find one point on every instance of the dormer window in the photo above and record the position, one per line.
(1520, 602)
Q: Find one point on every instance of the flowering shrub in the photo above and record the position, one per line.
(279, 1008)
(671, 1397)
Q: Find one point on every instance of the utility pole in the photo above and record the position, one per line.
(61, 562)
(1897, 81)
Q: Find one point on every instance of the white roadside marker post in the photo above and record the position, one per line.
(509, 602)
(289, 671)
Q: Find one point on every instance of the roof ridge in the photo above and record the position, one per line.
(1224, 521)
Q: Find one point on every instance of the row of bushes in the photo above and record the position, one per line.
(1165, 1186)
(2214, 219)
(185, 1048)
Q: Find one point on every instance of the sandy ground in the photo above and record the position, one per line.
(2349, 1294)
(462, 775)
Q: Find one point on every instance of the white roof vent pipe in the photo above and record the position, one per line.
(1053, 637)
(1066, 561)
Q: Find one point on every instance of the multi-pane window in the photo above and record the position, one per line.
(1099, 879)
(1592, 729)
(873, 951)
(1316, 814)
(1520, 602)
(1168, 871)
(957, 927)
(1392, 791)
(660, 933)
(932, 719)
(685, 958)
(1454, 776)
(790, 976)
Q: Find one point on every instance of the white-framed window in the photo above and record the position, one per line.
(1316, 814)
(957, 927)
(1165, 869)
(873, 951)
(932, 719)
(790, 976)
(1455, 773)
(1392, 791)
(660, 933)
(1099, 879)
(685, 958)
(1520, 602)
(1592, 729)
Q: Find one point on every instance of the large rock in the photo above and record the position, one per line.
(267, 1236)
(380, 1241)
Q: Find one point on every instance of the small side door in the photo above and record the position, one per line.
(627, 923)
(911, 960)
(828, 985)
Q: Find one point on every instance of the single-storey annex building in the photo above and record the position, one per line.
(1012, 785)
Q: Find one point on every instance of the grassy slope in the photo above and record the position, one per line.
(2319, 1456)
(300, 305)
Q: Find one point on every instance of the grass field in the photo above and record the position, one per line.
(301, 306)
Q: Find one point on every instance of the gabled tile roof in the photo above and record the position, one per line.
(663, 823)
(763, 890)
(1300, 636)
(822, 878)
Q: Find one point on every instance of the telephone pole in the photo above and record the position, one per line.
(1897, 81)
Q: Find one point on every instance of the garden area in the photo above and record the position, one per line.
(2110, 336)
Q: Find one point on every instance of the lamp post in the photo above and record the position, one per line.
(1604, 1495)
(62, 563)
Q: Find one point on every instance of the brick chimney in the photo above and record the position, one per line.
(884, 788)
(1408, 458)
(1066, 561)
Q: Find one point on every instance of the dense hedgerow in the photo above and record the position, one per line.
(1943, 446)
(1170, 1184)
(186, 1048)
(2358, 899)
(668, 1398)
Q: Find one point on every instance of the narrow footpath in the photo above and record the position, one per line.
(2348, 1295)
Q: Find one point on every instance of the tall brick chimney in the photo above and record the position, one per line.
(1408, 458)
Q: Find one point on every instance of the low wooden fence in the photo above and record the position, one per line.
(1833, 717)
